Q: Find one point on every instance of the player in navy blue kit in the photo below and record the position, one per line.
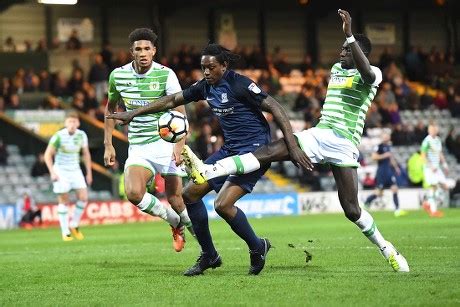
(387, 171)
(238, 102)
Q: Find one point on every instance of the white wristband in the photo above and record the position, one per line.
(351, 39)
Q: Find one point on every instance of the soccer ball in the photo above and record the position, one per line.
(172, 126)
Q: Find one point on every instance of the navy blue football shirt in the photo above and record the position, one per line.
(236, 101)
(381, 149)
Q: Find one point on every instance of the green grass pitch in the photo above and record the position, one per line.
(134, 264)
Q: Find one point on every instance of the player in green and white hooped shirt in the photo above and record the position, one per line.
(65, 147)
(434, 178)
(137, 84)
(351, 89)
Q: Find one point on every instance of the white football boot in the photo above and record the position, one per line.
(394, 258)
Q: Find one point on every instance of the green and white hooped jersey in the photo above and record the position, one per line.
(432, 147)
(68, 148)
(347, 99)
(137, 90)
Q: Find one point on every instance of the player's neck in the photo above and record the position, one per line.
(141, 70)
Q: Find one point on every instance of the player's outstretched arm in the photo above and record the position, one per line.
(109, 125)
(297, 155)
(162, 104)
(360, 59)
(49, 155)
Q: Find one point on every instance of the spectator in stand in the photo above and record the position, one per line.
(78, 102)
(74, 42)
(17, 83)
(373, 118)
(14, 103)
(91, 102)
(121, 59)
(386, 58)
(203, 143)
(420, 132)
(282, 65)
(453, 143)
(258, 59)
(27, 46)
(39, 168)
(426, 100)
(413, 63)
(269, 82)
(41, 46)
(45, 81)
(391, 72)
(393, 112)
(3, 153)
(440, 101)
(9, 45)
(32, 82)
(59, 87)
(305, 100)
(307, 63)
(2, 104)
(26, 204)
(454, 105)
(51, 103)
(76, 81)
(98, 76)
(107, 55)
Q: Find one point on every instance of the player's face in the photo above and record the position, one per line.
(433, 130)
(143, 52)
(212, 69)
(71, 124)
(346, 60)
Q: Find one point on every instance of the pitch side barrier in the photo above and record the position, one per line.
(254, 205)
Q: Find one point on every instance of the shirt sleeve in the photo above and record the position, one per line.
(84, 142)
(378, 76)
(425, 146)
(113, 94)
(249, 91)
(172, 83)
(195, 92)
(55, 141)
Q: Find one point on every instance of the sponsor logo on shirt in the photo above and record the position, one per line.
(154, 86)
(254, 88)
(224, 98)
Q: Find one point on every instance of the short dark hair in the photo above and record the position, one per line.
(221, 53)
(364, 42)
(142, 34)
(72, 114)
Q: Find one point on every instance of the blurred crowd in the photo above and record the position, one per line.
(417, 80)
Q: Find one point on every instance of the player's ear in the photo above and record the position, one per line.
(154, 50)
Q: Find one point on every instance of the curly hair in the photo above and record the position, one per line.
(142, 34)
(221, 54)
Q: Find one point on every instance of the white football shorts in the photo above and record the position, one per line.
(68, 180)
(327, 146)
(156, 157)
(434, 177)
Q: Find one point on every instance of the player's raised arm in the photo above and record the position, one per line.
(360, 59)
(298, 156)
(162, 104)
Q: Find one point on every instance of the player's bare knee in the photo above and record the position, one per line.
(135, 195)
(352, 212)
(222, 209)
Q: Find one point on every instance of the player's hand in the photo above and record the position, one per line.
(124, 117)
(109, 155)
(300, 158)
(398, 171)
(346, 18)
(89, 178)
(177, 157)
(54, 176)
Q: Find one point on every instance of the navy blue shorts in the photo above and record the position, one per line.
(385, 178)
(246, 181)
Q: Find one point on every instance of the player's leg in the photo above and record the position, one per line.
(173, 187)
(82, 201)
(235, 217)
(238, 164)
(78, 183)
(61, 188)
(63, 215)
(209, 258)
(346, 179)
(377, 193)
(398, 212)
(136, 178)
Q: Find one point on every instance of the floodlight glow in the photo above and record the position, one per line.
(67, 2)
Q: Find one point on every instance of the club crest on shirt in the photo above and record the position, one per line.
(154, 86)
(254, 88)
(224, 98)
